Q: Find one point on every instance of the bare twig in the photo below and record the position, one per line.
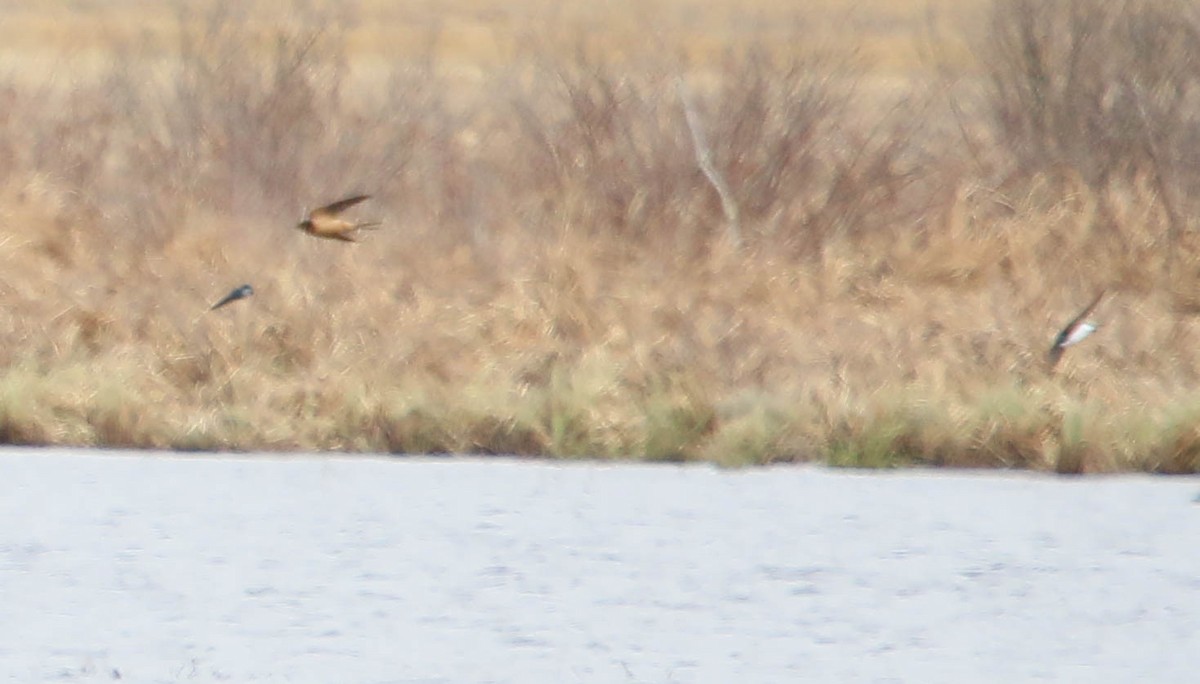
(704, 159)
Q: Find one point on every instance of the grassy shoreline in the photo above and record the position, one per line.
(741, 362)
(557, 276)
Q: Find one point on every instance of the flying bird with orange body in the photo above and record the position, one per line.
(326, 222)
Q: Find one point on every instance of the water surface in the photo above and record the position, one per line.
(159, 568)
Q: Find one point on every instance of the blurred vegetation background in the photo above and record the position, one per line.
(742, 233)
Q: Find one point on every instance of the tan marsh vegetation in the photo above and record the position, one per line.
(901, 234)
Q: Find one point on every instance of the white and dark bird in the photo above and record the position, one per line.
(326, 222)
(237, 293)
(1075, 332)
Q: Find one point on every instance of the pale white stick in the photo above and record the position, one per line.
(704, 159)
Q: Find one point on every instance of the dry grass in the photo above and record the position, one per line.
(554, 276)
(476, 35)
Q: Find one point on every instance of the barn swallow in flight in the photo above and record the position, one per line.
(324, 222)
(238, 293)
(1078, 329)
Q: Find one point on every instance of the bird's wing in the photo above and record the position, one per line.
(1064, 337)
(337, 236)
(231, 297)
(335, 208)
(237, 293)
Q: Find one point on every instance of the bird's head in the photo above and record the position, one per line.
(306, 224)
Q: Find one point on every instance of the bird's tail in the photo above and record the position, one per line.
(1053, 356)
(368, 225)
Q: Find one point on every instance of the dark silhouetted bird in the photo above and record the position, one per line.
(325, 222)
(1078, 329)
(237, 293)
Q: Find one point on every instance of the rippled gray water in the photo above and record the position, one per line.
(155, 568)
